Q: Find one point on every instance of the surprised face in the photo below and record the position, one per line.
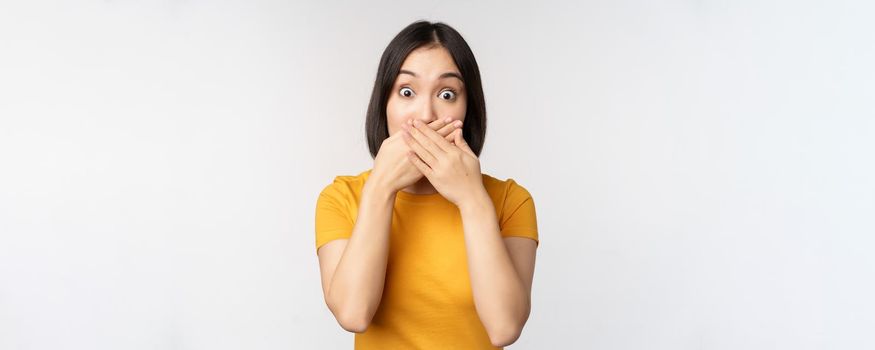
(429, 87)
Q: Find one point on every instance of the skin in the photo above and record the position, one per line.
(425, 154)
(426, 94)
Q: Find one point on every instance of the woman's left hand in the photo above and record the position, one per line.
(452, 168)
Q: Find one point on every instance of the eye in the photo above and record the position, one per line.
(406, 92)
(448, 95)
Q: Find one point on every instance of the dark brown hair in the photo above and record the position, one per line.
(416, 35)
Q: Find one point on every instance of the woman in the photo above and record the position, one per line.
(423, 250)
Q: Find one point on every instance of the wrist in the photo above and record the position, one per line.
(377, 187)
(477, 201)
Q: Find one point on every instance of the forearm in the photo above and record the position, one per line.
(357, 283)
(499, 293)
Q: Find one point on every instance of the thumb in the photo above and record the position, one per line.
(460, 142)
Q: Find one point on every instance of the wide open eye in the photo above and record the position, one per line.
(406, 92)
(448, 95)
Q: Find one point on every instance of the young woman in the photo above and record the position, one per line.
(423, 251)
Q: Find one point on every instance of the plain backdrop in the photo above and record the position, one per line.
(702, 170)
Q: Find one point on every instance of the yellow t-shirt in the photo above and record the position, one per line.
(427, 301)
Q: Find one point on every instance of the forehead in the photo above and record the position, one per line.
(430, 61)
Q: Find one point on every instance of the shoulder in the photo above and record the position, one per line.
(506, 190)
(345, 186)
(514, 208)
(508, 196)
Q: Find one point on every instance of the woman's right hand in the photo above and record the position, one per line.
(391, 166)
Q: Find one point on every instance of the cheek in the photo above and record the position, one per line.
(456, 110)
(394, 116)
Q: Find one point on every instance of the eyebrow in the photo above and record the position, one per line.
(445, 75)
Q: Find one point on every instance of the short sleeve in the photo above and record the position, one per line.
(518, 218)
(332, 214)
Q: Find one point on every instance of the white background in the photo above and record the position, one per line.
(702, 170)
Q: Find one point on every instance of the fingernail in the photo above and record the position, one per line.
(416, 122)
(458, 124)
(448, 120)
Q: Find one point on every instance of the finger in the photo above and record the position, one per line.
(420, 151)
(444, 126)
(461, 143)
(447, 130)
(418, 131)
(437, 142)
(419, 164)
(435, 124)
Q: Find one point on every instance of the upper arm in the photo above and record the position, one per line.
(518, 215)
(333, 229)
(333, 218)
(329, 256)
(522, 253)
(519, 228)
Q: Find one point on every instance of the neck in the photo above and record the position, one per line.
(423, 186)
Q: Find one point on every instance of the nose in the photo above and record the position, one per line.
(426, 113)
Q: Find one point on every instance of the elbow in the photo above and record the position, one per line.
(353, 323)
(509, 329)
(349, 320)
(504, 335)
